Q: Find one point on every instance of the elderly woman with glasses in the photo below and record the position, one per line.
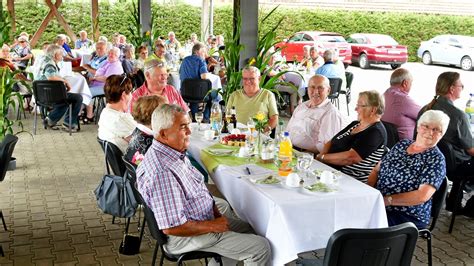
(115, 124)
(412, 171)
(357, 148)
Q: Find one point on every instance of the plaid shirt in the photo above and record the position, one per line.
(173, 188)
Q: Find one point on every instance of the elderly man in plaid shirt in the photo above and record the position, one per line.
(183, 207)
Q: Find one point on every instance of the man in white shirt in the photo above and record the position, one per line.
(317, 120)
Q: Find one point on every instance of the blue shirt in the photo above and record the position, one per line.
(96, 61)
(402, 172)
(330, 70)
(192, 67)
(79, 43)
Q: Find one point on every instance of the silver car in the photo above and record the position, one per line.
(455, 50)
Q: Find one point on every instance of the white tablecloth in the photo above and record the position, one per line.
(176, 81)
(293, 220)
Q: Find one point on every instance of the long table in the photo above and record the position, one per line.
(293, 220)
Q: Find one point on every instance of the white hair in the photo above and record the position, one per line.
(252, 69)
(435, 117)
(163, 117)
(116, 51)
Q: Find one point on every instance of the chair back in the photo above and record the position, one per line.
(392, 134)
(437, 201)
(155, 231)
(447, 150)
(383, 246)
(132, 176)
(49, 92)
(335, 84)
(113, 157)
(6, 151)
(194, 90)
(349, 79)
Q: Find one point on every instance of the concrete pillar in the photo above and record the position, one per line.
(211, 17)
(144, 9)
(248, 10)
(205, 20)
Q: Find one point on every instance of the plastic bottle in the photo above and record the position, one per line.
(216, 117)
(279, 132)
(285, 154)
(470, 108)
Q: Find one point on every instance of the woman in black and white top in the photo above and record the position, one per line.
(356, 149)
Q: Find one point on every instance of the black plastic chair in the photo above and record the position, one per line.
(383, 246)
(161, 240)
(447, 149)
(6, 150)
(347, 91)
(113, 160)
(392, 134)
(48, 93)
(336, 84)
(195, 90)
(99, 105)
(437, 201)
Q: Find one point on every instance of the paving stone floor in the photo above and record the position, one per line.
(52, 218)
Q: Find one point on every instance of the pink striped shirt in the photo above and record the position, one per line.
(172, 95)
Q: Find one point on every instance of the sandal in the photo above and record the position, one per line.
(87, 120)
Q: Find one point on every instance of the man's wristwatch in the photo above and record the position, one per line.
(389, 199)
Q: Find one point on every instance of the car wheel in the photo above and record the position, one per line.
(466, 63)
(395, 66)
(426, 58)
(364, 61)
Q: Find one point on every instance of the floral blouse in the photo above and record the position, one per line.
(402, 172)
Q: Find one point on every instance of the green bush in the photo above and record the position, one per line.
(407, 28)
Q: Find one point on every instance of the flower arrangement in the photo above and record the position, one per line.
(261, 121)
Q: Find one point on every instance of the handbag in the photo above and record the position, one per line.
(115, 194)
(130, 245)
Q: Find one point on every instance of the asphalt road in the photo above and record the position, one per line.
(423, 88)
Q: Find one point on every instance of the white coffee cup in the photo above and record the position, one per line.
(243, 152)
(235, 131)
(209, 134)
(327, 177)
(293, 180)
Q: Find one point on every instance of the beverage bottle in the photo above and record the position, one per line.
(233, 118)
(216, 117)
(285, 155)
(225, 128)
(279, 131)
(470, 108)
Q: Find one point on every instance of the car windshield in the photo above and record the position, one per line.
(331, 38)
(382, 40)
(466, 41)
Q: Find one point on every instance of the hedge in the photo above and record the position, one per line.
(407, 28)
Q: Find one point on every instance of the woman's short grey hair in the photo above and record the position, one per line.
(252, 69)
(435, 117)
(374, 99)
(53, 49)
(115, 50)
(163, 117)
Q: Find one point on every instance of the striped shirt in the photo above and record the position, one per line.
(173, 188)
(369, 144)
(171, 94)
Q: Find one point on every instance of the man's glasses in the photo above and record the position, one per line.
(248, 79)
(160, 64)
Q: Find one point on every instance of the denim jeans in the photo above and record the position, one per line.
(60, 109)
(214, 96)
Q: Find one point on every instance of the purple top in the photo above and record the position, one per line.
(173, 188)
(107, 70)
(401, 111)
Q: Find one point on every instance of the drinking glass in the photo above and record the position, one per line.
(199, 116)
(250, 146)
(251, 126)
(303, 163)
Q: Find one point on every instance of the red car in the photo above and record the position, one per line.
(368, 48)
(293, 47)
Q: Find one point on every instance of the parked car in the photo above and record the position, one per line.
(369, 48)
(457, 50)
(293, 47)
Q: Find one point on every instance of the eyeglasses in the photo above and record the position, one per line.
(159, 64)
(248, 79)
(125, 76)
(435, 130)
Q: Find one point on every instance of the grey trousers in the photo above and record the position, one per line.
(238, 244)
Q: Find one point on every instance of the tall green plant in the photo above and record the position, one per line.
(137, 36)
(231, 56)
(8, 101)
(5, 26)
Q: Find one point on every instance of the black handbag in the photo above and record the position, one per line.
(115, 195)
(130, 245)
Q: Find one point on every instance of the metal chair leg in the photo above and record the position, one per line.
(3, 221)
(1, 251)
(70, 119)
(428, 242)
(155, 252)
(35, 122)
(458, 199)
